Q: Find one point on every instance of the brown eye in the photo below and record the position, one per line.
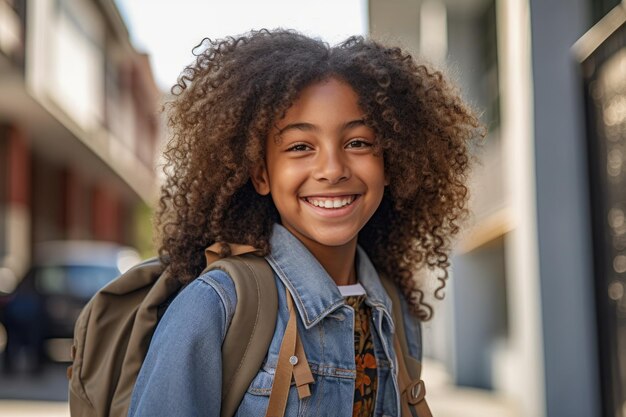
(299, 147)
(358, 143)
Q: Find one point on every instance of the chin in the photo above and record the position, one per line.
(332, 238)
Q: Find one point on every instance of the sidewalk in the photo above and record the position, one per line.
(14, 408)
(448, 400)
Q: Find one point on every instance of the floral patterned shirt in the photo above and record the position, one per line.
(366, 372)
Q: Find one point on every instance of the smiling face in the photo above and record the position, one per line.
(321, 169)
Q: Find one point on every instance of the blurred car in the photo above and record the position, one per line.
(39, 315)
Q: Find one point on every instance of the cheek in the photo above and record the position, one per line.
(288, 171)
(376, 173)
(287, 174)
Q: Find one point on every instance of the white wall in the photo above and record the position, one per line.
(65, 64)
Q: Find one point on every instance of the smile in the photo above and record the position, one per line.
(331, 202)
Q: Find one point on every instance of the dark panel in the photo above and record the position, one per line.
(605, 99)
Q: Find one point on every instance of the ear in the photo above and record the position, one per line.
(260, 179)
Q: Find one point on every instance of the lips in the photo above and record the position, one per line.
(335, 202)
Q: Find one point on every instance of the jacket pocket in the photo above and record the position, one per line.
(262, 383)
(256, 398)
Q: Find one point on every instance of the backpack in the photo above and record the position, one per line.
(125, 313)
(114, 329)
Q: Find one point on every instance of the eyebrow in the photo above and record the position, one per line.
(309, 127)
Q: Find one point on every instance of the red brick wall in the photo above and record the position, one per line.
(106, 214)
(19, 167)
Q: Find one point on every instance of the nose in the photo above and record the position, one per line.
(331, 167)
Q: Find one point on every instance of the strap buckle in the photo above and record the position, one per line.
(416, 391)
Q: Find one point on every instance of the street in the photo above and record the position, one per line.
(35, 395)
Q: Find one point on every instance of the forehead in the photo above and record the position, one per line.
(325, 102)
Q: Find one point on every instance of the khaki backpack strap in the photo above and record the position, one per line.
(412, 389)
(291, 361)
(253, 321)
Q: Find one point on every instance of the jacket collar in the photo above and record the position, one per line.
(314, 292)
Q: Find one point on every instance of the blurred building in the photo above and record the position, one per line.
(78, 127)
(535, 310)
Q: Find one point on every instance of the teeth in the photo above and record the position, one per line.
(331, 202)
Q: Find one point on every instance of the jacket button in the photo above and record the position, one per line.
(293, 360)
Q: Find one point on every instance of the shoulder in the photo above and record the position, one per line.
(181, 370)
(223, 285)
(207, 300)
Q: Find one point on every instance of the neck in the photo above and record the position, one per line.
(338, 261)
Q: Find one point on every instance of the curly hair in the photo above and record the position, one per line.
(225, 105)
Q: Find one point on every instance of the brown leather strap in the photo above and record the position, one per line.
(301, 371)
(290, 356)
(212, 253)
(282, 377)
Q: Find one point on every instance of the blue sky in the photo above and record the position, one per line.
(169, 29)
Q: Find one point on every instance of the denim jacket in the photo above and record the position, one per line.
(181, 375)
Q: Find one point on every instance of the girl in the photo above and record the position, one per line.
(337, 164)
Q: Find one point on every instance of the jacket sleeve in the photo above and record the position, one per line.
(182, 372)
